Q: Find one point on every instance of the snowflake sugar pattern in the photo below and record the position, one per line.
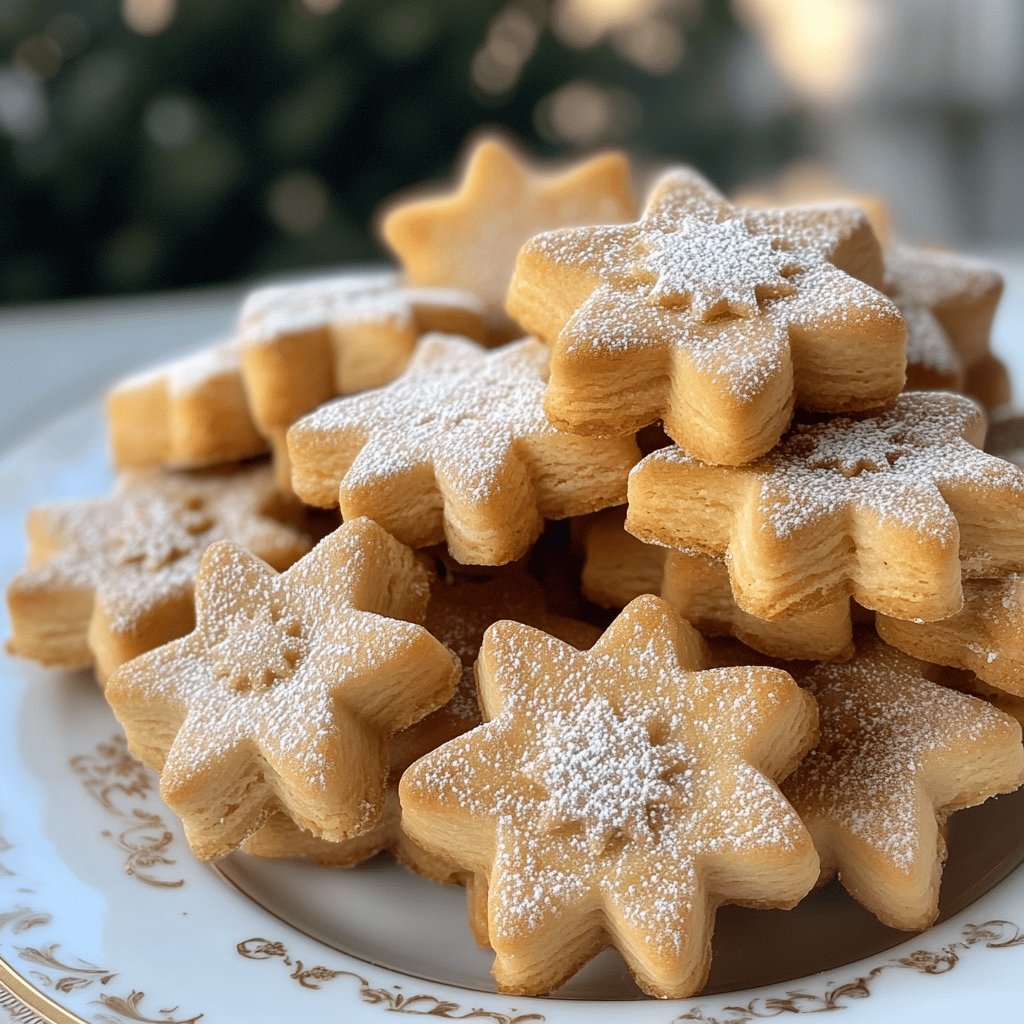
(283, 699)
(712, 318)
(898, 754)
(622, 778)
(112, 577)
(457, 449)
(890, 509)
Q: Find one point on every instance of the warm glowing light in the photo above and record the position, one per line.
(511, 41)
(39, 55)
(819, 46)
(655, 45)
(298, 201)
(321, 6)
(584, 113)
(148, 17)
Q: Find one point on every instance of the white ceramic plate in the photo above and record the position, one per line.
(105, 917)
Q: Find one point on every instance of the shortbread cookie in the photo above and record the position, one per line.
(619, 567)
(457, 449)
(712, 318)
(985, 637)
(184, 414)
(988, 382)
(110, 578)
(898, 754)
(962, 294)
(618, 797)
(284, 697)
(458, 615)
(469, 238)
(305, 343)
(888, 509)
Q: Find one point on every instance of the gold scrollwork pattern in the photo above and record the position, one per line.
(391, 1000)
(839, 995)
(118, 783)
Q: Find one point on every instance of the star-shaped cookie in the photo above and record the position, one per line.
(469, 238)
(110, 578)
(305, 343)
(459, 613)
(617, 797)
(183, 414)
(898, 755)
(948, 302)
(617, 567)
(986, 636)
(711, 318)
(457, 449)
(890, 509)
(284, 697)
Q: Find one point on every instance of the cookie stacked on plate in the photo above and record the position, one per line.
(713, 398)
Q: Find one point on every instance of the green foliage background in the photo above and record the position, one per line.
(368, 98)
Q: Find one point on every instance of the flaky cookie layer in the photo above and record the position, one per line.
(458, 449)
(284, 697)
(889, 509)
(714, 319)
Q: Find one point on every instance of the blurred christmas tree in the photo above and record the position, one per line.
(155, 143)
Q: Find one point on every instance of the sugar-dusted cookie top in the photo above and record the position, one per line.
(186, 413)
(284, 697)
(898, 754)
(305, 343)
(109, 578)
(888, 509)
(458, 449)
(710, 317)
(469, 238)
(617, 797)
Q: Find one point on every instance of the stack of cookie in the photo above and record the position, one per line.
(713, 397)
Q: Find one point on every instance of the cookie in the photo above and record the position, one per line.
(711, 318)
(962, 294)
(110, 578)
(617, 797)
(184, 414)
(305, 343)
(889, 509)
(458, 449)
(469, 238)
(898, 755)
(619, 567)
(458, 615)
(284, 698)
(985, 637)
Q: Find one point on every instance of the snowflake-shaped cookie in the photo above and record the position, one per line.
(469, 238)
(283, 699)
(948, 302)
(112, 577)
(891, 509)
(898, 754)
(305, 343)
(184, 414)
(712, 318)
(986, 636)
(617, 567)
(457, 449)
(617, 796)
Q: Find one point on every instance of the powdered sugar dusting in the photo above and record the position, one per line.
(187, 375)
(141, 547)
(884, 729)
